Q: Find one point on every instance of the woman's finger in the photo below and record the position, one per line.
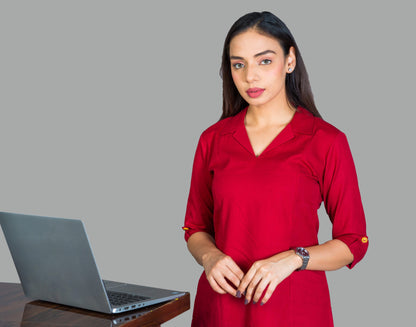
(269, 292)
(246, 280)
(235, 269)
(231, 273)
(225, 286)
(253, 286)
(262, 285)
(214, 285)
(233, 278)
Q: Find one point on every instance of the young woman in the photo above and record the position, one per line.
(259, 176)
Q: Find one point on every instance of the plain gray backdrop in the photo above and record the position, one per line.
(102, 104)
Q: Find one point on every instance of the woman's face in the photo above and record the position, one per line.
(259, 67)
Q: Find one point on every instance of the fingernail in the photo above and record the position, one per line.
(245, 301)
(244, 293)
(238, 294)
(254, 302)
(261, 303)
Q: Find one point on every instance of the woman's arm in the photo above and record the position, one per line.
(271, 272)
(331, 255)
(218, 266)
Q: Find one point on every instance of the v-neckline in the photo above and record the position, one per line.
(241, 135)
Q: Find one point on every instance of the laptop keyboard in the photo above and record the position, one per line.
(118, 298)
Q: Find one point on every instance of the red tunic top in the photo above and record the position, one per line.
(256, 207)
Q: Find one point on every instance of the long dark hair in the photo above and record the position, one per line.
(298, 88)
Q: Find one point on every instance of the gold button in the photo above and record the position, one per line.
(364, 239)
(185, 228)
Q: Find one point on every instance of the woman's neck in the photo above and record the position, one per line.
(270, 114)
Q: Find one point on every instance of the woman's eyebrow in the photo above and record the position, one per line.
(256, 55)
(264, 52)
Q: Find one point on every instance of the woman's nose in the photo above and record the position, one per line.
(252, 73)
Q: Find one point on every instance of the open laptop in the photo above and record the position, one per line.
(55, 263)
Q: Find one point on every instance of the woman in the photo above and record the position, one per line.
(259, 177)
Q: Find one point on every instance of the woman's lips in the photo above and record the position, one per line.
(254, 92)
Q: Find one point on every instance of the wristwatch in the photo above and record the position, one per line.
(304, 255)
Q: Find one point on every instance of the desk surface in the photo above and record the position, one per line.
(18, 310)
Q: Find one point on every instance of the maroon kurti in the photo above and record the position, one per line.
(256, 207)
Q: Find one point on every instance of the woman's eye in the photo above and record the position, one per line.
(266, 62)
(238, 65)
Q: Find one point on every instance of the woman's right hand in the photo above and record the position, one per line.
(221, 270)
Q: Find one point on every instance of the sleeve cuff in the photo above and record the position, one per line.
(358, 245)
(189, 231)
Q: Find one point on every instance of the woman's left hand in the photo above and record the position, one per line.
(269, 273)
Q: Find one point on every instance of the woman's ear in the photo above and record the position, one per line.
(291, 60)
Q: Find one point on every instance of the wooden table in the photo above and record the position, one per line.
(18, 310)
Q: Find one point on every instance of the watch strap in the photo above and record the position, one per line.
(304, 255)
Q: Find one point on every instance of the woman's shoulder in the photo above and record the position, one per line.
(321, 131)
(327, 136)
(218, 128)
(326, 128)
(306, 123)
(325, 139)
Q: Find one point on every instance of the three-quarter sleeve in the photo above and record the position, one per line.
(199, 208)
(342, 199)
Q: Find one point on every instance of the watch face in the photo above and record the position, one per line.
(303, 252)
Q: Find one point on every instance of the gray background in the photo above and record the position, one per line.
(102, 104)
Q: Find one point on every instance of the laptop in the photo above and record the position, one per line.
(55, 263)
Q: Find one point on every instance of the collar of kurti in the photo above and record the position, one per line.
(301, 123)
